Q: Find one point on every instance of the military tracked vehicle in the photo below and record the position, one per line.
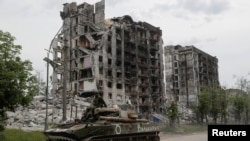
(107, 124)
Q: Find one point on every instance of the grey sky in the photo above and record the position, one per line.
(218, 27)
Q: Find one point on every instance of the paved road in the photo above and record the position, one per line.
(201, 136)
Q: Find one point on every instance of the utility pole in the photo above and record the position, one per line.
(47, 78)
(46, 95)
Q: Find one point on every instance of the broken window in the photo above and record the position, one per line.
(100, 58)
(76, 20)
(86, 73)
(118, 74)
(110, 96)
(109, 49)
(143, 90)
(75, 29)
(177, 91)
(73, 75)
(81, 62)
(97, 37)
(118, 44)
(86, 29)
(176, 71)
(176, 78)
(153, 81)
(109, 72)
(101, 71)
(75, 86)
(119, 86)
(84, 42)
(118, 63)
(81, 85)
(118, 34)
(110, 84)
(127, 88)
(118, 53)
(127, 35)
(100, 83)
(175, 64)
(85, 62)
(153, 62)
(109, 38)
(176, 84)
(133, 88)
(109, 61)
(143, 101)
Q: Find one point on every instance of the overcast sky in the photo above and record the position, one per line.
(220, 28)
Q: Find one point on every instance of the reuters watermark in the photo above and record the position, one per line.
(241, 132)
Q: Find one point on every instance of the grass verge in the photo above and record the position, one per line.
(20, 135)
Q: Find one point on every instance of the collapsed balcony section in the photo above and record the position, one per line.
(88, 64)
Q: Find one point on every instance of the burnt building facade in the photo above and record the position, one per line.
(119, 58)
(187, 70)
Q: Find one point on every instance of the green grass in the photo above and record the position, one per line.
(20, 135)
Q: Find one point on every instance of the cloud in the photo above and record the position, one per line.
(188, 9)
(26, 8)
(191, 41)
(211, 39)
(208, 7)
(114, 2)
(52, 4)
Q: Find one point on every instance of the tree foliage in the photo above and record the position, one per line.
(204, 105)
(212, 101)
(224, 104)
(172, 112)
(17, 84)
(239, 104)
(240, 100)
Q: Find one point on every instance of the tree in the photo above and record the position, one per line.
(212, 101)
(247, 107)
(219, 104)
(203, 105)
(244, 85)
(238, 103)
(172, 112)
(224, 103)
(17, 84)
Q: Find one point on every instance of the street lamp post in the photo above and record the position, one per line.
(47, 90)
(47, 78)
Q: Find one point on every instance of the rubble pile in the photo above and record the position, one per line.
(33, 116)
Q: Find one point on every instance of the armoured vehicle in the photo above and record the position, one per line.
(107, 124)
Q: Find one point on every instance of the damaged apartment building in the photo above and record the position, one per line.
(187, 71)
(119, 58)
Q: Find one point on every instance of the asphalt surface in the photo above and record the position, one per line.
(198, 136)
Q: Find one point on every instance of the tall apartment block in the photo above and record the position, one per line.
(187, 70)
(119, 58)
